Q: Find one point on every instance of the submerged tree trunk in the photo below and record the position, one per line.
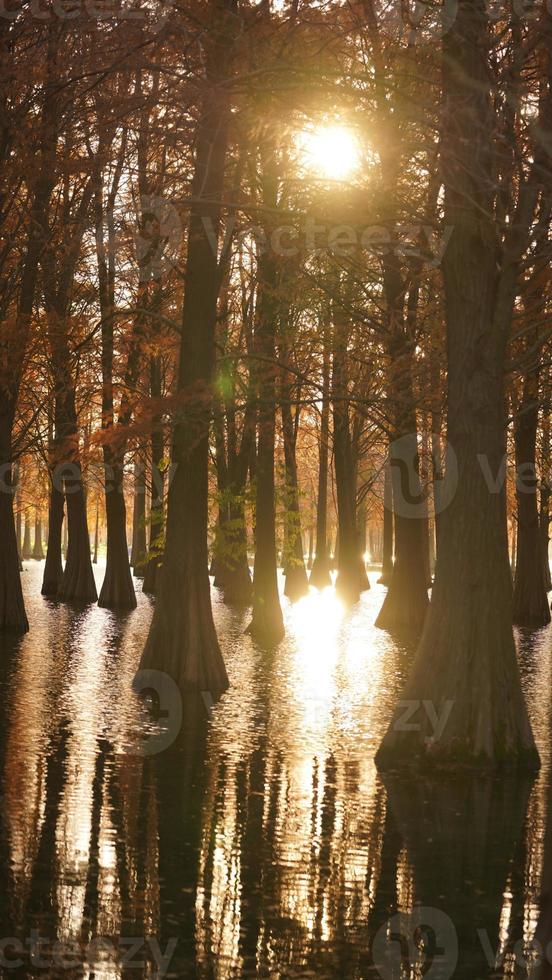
(465, 672)
(387, 558)
(53, 567)
(27, 549)
(96, 535)
(12, 608)
(182, 640)
(15, 338)
(78, 583)
(544, 510)
(139, 543)
(310, 557)
(347, 583)
(267, 624)
(38, 551)
(157, 517)
(296, 581)
(19, 512)
(530, 606)
(320, 574)
(405, 604)
(117, 590)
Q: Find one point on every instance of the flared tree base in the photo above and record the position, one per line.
(347, 583)
(530, 604)
(78, 584)
(182, 641)
(150, 584)
(237, 587)
(117, 591)
(363, 580)
(405, 605)
(320, 575)
(463, 705)
(267, 624)
(296, 583)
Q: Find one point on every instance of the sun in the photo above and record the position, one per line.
(333, 151)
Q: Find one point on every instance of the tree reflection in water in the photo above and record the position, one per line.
(263, 841)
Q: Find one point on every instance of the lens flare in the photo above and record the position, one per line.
(332, 151)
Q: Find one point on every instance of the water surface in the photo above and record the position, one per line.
(262, 843)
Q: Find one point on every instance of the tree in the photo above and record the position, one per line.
(182, 640)
(466, 661)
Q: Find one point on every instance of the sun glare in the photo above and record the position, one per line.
(333, 151)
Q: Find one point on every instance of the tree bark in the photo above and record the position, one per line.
(117, 590)
(53, 567)
(387, 562)
(530, 605)
(38, 550)
(320, 574)
(544, 511)
(296, 581)
(182, 640)
(347, 583)
(139, 543)
(157, 516)
(267, 624)
(27, 549)
(12, 608)
(405, 604)
(466, 662)
(96, 535)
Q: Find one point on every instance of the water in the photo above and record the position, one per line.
(262, 843)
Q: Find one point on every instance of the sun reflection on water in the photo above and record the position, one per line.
(279, 851)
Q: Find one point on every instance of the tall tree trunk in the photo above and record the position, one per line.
(405, 604)
(466, 662)
(64, 540)
(27, 549)
(117, 590)
(182, 640)
(544, 512)
(267, 624)
(157, 517)
(77, 581)
(139, 543)
(387, 560)
(347, 583)
(12, 608)
(296, 581)
(310, 557)
(38, 551)
(530, 607)
(320, 574)
(19, 511)
(96, 535)
(53, 567)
